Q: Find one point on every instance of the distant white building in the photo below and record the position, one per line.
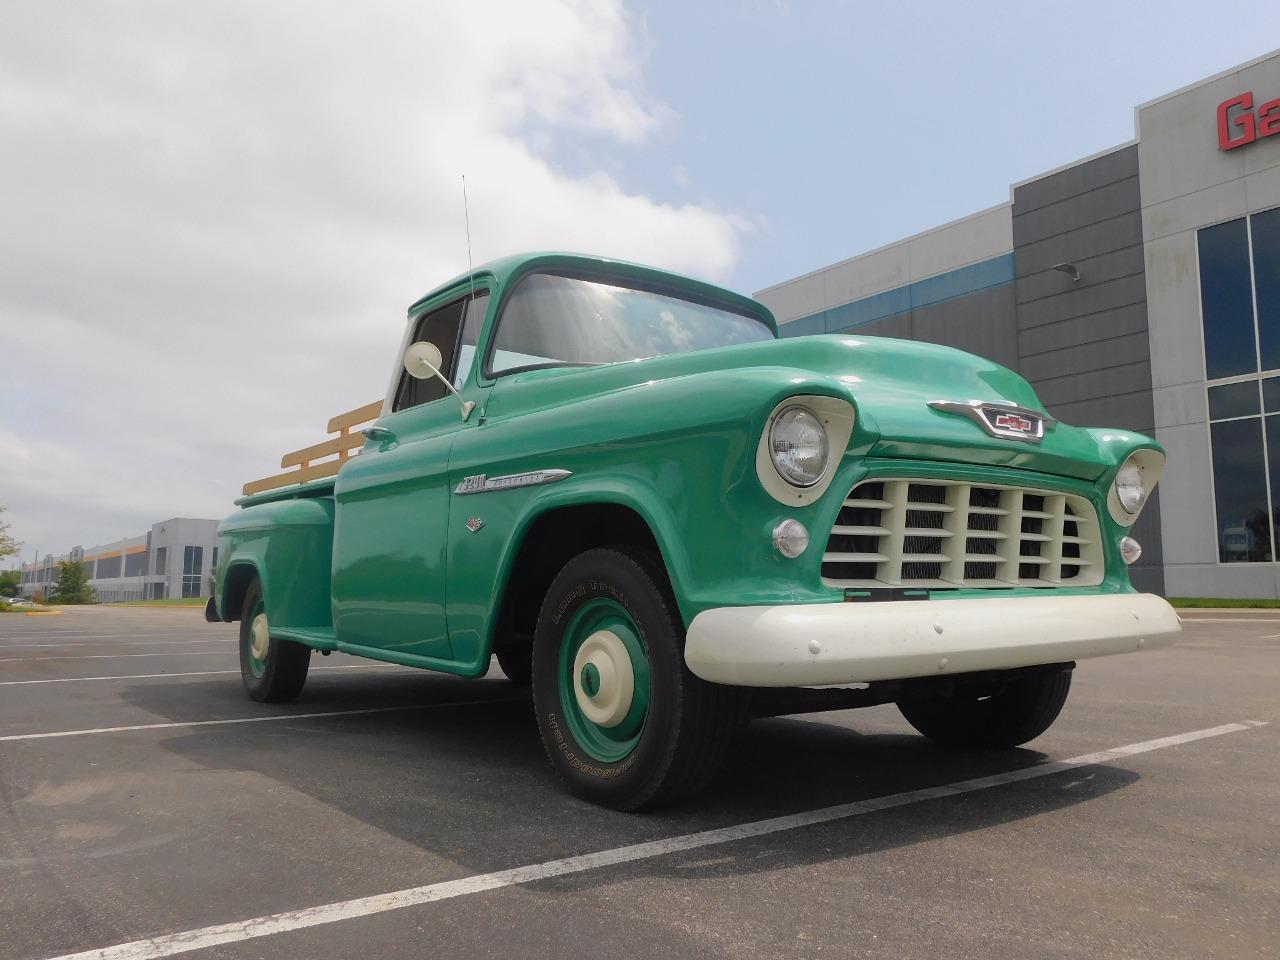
(174, 559)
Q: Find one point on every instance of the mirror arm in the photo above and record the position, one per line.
(467, 405)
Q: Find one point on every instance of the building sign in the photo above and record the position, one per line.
(1239, 123)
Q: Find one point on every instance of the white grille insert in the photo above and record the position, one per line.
(942, 533)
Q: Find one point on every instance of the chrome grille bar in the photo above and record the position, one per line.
(941, 533)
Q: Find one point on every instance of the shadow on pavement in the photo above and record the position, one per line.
(470, 782)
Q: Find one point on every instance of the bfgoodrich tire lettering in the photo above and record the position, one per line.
(669, 743)
(273, 670)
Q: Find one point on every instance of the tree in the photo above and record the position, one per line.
(8, 545)
(9, 580)
(73, 584)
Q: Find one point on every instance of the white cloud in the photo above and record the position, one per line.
(215, 215)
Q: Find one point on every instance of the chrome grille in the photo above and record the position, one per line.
(940, 533)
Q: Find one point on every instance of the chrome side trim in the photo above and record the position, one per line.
(484, 484)
(985, 413)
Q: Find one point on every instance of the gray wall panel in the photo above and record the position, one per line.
(1076, 212)
(1080, 178)
(1085, 345)
(1129, 411)
(1125, 262)
(1094, 240)
(984, 323)
(1101, 354)
(1095, 384)
(1118, 322)
(1083, 299)
(895, 326)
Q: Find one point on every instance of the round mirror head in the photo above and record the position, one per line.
(422, 360)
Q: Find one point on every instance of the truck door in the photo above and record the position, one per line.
(391, 527)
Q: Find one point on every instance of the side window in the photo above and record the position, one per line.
(441, 328)
(470, 336)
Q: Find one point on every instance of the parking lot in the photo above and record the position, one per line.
(149, 808)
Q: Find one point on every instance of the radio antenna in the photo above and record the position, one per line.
(466, 211)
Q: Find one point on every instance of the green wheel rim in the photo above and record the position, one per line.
(257, 643)
(602, 649)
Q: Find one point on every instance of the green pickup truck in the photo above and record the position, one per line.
(624, 486)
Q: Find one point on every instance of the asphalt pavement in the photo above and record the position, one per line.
(148, 808)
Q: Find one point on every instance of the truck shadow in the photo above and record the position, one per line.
(461, 774)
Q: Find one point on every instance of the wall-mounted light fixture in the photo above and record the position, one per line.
(1070, 268)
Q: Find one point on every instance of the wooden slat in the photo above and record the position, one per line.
(370, 411)
(341, 445)
(327, 469)
(319, 451)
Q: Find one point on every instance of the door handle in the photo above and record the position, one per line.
(378, 434)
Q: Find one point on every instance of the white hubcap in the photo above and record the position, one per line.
(604, 658)
(260, 637)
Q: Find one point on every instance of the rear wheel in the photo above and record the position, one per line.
(623, 720)
(982, 717)
(273, 670)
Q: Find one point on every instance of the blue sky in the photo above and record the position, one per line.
(838, 127)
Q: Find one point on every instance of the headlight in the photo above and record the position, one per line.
(1131, 489)
(798, 446)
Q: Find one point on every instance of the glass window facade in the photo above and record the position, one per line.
(1240, 310)
(192, 562)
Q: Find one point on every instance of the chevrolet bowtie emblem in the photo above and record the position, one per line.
(1006, 420)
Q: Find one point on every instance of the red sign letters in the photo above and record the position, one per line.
(1239, 124)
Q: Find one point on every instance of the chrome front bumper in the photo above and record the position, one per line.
(813, 644)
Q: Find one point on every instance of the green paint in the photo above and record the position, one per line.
(590, 680)
(605, 744)
(379, 561)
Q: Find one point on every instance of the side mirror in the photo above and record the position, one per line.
(422, 360)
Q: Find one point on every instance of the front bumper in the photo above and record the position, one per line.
(812, 644)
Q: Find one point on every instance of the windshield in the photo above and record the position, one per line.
(556, 320)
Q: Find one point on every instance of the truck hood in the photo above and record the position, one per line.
(893, 382)
(890, 382)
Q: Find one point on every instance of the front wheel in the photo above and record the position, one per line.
(273, 670)
(980, 717)
(624, 722)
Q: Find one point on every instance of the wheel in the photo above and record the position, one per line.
(273, 670)
(517, 664)
(624, 722)
(968, 718)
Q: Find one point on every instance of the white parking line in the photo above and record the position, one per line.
(192, 673)
(203, 937)
(54, 634)
(267, 719)
(114, 656)
(123, 643)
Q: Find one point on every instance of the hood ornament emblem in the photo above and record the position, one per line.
(1000, 419)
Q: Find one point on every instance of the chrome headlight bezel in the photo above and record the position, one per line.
(1139, 471)
(837, 417)
(797, 418)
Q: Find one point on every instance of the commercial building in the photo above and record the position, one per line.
(175, 558)
(1138, 288)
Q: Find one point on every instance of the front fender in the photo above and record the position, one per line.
(679, 455)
